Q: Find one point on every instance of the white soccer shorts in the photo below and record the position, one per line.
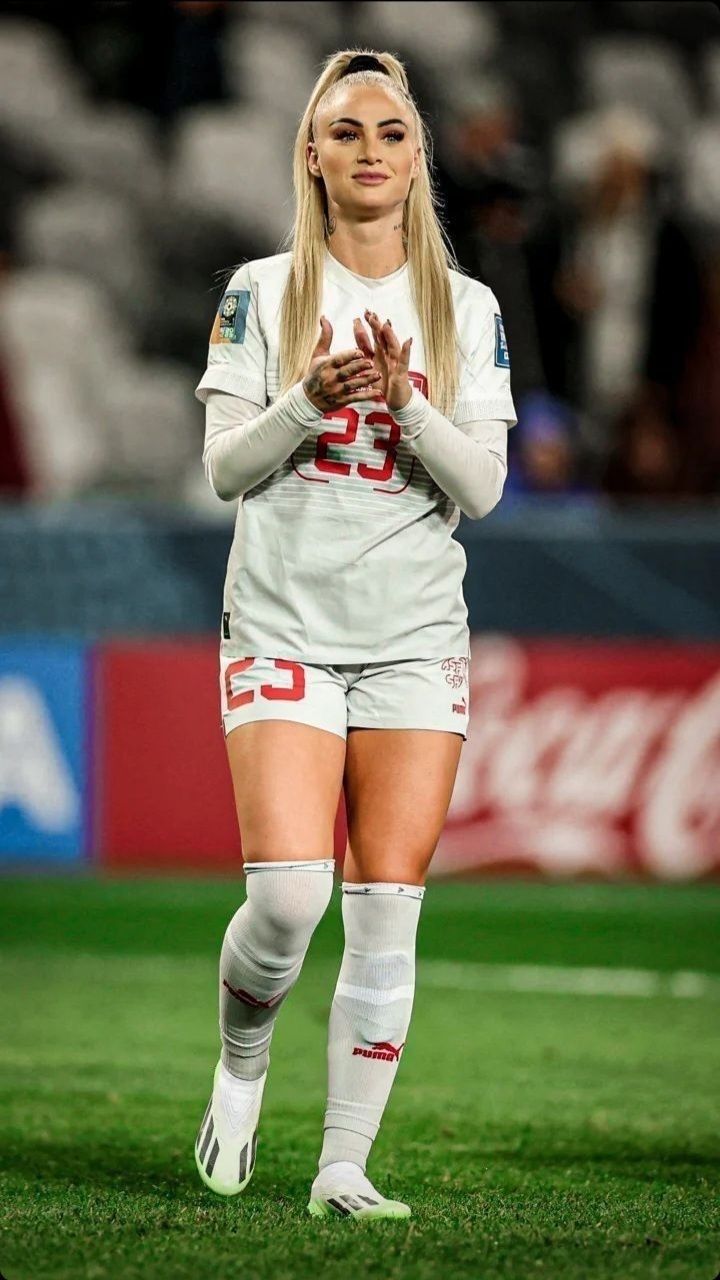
(413, 693)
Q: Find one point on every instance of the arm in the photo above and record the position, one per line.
(469, 463)
(244, 444)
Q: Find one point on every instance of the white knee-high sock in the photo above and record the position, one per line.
(370, 1014)
(262, 955)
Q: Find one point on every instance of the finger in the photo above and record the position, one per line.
(390, 339)
(354, 367)
(344, 357)
(365, 379)
(404, 359)
(362, 337)
(363, 393)
(342, 398)
(376, 327)
(325, 339)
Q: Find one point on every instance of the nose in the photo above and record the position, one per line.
(368, 152)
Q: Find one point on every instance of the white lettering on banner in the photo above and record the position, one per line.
(679, 822)
(34, 774)
(589, 772)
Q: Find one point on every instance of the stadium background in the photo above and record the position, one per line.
(143, 151)
(577, 154)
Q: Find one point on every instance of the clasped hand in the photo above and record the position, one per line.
(374, 371)
(390, 359)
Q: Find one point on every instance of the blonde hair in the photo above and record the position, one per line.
(430, 255)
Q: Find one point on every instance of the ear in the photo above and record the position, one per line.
(312, 160)
(416, 162)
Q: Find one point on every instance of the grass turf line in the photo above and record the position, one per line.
(565, 1136)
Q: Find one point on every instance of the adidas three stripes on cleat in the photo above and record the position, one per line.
(227, 1139)
(342, 1190)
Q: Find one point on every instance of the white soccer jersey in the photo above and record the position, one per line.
(345, 553)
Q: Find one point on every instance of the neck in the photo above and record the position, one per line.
(372, 249)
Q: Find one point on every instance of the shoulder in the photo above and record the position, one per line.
(469, 293)
(475, 310)
(261, 273)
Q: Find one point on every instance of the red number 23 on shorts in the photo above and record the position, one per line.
(273, 693)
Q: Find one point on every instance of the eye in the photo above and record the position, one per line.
(350, 133)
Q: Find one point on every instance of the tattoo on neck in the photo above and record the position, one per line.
(331, 224)
(398, 226)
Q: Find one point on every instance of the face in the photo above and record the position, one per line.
(365, 151)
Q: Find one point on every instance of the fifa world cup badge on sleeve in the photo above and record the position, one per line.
(502, 355)
(231, 317)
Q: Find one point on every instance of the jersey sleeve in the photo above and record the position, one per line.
(484, 390)
(237, 355)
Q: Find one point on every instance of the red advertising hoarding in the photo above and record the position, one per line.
(582, 758)
(163, 796)
(588, 758)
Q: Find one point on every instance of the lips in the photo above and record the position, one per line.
(370, 179)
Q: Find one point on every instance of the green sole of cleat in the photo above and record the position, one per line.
(393, 1209)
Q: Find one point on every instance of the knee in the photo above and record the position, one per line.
(288, 906)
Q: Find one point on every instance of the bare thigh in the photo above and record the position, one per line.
(398, 787)
(286, 779)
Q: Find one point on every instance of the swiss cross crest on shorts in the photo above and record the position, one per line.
(456, 671)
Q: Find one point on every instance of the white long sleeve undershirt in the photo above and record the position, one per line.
(244, 444)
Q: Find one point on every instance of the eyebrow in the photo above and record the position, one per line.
(359, 123)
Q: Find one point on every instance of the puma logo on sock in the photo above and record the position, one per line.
(246, 998)
(383, 1050)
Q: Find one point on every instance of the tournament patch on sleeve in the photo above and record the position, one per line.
(231, 317)
(502, 355)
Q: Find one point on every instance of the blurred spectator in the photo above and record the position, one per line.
(602, 250)
(648, 460)
(543, 449)
(491, 180)
(695, 397)
(14, 477)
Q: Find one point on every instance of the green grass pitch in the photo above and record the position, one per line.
(546, 1132)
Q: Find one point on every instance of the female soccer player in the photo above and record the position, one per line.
(357, 397)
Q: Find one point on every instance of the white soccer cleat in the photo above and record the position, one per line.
(341, 1190)
(227, 1139)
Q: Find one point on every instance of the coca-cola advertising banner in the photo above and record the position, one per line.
(582, 759)
(588, 759)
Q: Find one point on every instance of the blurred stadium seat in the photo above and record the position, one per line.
(220, 151)
(449, 36)
(642, 73)
(59, 335)
(322, 20)
(93, 233)
(113, 148)
(701, 166)
(39, 82)
(259, 56)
